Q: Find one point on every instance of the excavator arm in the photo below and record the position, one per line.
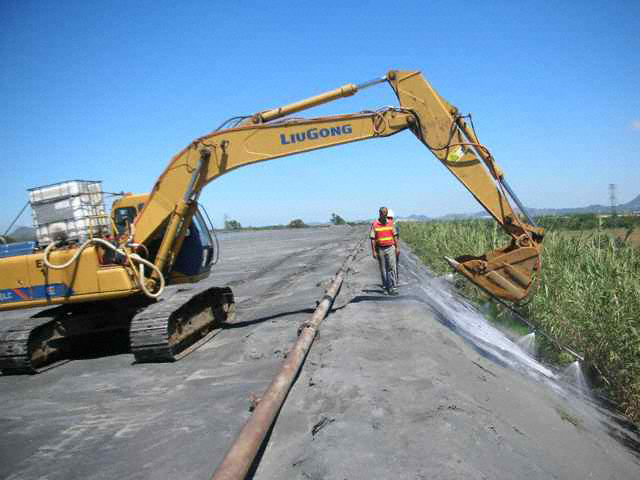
(172, 200)
(507, 273)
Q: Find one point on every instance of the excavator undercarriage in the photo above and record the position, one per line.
(158, 331)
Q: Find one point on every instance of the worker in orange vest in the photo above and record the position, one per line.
(384, 248)
(391, 216)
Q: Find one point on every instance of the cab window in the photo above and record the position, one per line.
(122, 217)
(205, 236)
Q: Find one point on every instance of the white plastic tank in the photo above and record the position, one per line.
(73, 210)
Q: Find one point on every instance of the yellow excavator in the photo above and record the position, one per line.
(117, 280)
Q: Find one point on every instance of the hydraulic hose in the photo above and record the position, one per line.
(131, 258)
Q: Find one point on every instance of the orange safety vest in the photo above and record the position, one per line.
(383, 233)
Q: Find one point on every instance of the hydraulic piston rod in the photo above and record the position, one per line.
(341, 92)
(344, 91)
(515, 198)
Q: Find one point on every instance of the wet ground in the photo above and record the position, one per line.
(415, 386)
(421, 386)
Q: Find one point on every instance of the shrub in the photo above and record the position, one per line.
(337, 219)
(232, 225)
(297, 223)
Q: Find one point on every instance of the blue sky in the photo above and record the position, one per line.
(111, 90)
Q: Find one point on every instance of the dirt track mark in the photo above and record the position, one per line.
(289, 279)
(268, 268)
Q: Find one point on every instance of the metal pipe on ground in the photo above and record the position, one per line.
(241, 455)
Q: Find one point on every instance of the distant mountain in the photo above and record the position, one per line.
(416, 218)
(631, 206)
(447, 217)
(463, 216)
(634, 204)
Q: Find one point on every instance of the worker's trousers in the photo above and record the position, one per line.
(388, 267)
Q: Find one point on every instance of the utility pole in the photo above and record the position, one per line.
(612, 199)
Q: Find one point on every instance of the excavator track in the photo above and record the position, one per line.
(30, 344)
(39, 343)
(174, 327)
(164, 331)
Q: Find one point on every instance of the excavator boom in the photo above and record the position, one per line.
(506, 273)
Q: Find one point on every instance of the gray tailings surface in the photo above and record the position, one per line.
(415, 386)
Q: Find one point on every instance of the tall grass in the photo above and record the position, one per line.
(588, 298)
(432, 241)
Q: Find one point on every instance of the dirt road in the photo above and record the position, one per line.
(416, 386)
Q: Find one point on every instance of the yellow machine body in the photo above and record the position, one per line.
(159, 223)
(31, 284)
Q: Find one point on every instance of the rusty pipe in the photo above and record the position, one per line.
(241, 455)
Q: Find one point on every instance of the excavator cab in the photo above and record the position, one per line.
(122, 218)
(125, 210)
(195, 258)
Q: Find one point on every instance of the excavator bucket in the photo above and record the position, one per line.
(507, 273)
